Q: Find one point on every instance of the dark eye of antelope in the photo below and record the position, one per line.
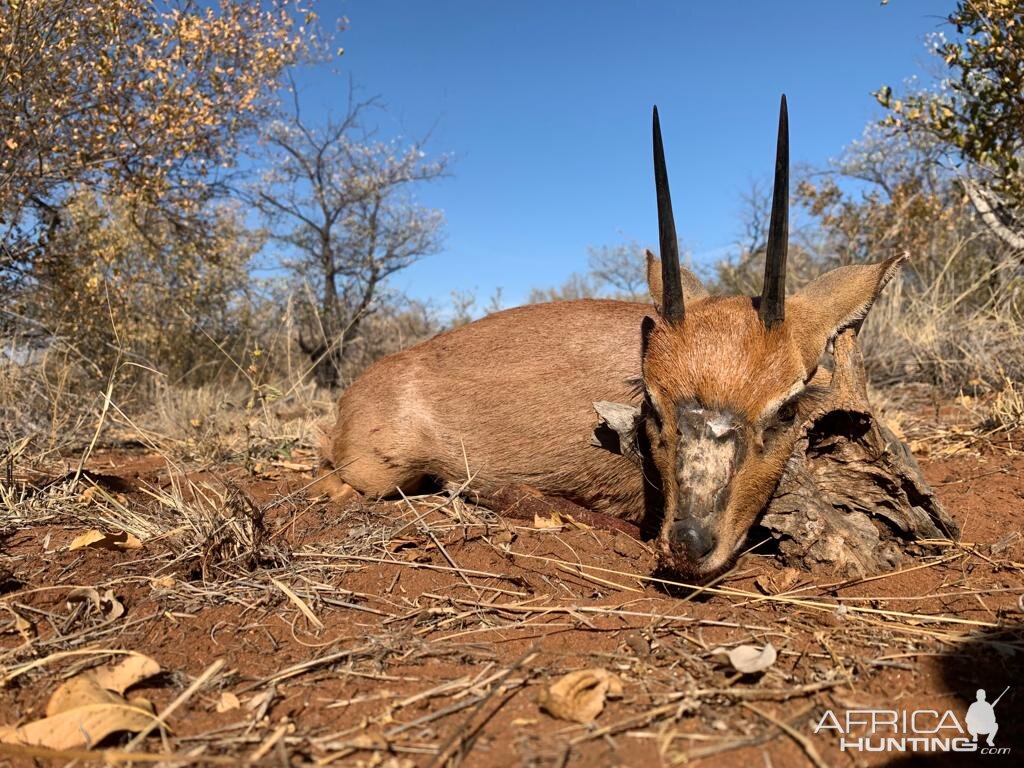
(786, 413)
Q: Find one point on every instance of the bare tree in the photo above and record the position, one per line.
(757, 207)
(340, 202)
(576, 286)
(619, 269)
(614, 271)
(743, 271)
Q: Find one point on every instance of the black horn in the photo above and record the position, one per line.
(773, 295)
(672, 308)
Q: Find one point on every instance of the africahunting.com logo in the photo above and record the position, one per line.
(919, 730)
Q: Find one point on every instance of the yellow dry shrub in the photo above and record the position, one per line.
(133, 285)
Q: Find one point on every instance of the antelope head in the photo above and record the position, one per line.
(725, 378)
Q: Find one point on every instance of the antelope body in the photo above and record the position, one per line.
(719, 383)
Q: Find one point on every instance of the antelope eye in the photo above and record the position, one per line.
(786, 413)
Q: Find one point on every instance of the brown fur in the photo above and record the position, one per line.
(724, 359)
(509, 400)
(510, 396)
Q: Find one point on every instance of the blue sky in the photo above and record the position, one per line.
(546, 109)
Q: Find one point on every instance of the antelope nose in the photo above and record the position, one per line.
(694, 538)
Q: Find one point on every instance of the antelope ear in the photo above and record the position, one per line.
(693, 289)
(833, 302)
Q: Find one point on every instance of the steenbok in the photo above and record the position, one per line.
(719, 383)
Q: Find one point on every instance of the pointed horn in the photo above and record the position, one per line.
(773, 295)
(672, 308)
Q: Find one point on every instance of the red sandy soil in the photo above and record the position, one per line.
(495, 611)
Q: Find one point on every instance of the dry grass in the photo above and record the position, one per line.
(420, 633)
(42, 410)
(955, 326)
(217, 423)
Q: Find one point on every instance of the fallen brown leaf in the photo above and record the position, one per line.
(81, 691)
(80, 727)
(228, 701)
(86, 709)
(126, 673)
(774, 584)
(119, 542)
(85, 594)
(107, 603)
(23, 626)
(580, 696)
(543, 523)
(558, 521)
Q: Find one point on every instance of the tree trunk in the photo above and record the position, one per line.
(851, 496)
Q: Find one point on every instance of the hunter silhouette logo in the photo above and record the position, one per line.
(981, 717)
(919, 730)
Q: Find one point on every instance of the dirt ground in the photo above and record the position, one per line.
(294, 631)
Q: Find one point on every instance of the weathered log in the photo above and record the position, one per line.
(851, 496)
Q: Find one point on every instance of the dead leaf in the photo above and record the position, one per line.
(105, 684)
(143, 703)
(502, 537)
(23, 626)
(162, 582)
(749, 659)
(787, 578)
(126, 673)
(85, 594)
(107, 604)
(119, 542)
(579, 696)
(228, 701)
(81, 691)
(777, 583)
(544, 523)
(558, 521)
(80, 727)
(83, 711)
(416, 556)
(112, 607)
(402, 543)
